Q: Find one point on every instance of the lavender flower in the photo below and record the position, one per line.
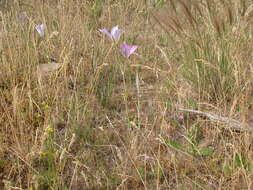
(40, 29)
(127, 50)
(114, 34)
(22, 18)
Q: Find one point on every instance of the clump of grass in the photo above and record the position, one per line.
(212, 36)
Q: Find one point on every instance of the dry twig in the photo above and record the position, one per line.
(229, 123)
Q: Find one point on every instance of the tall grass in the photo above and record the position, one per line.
(215, 36)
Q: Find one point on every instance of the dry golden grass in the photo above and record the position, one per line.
(99, 120)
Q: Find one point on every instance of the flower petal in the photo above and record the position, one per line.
(123, 49)
(117, 34)
(127, 50)
(114, 29)
(132, 49)
(104, 31)
(40, 29)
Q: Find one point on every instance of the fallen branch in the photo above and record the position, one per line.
(230, 123)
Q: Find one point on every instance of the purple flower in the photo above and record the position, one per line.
(40, 29)
(22, 18)
(114, 34)
(127, 50)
